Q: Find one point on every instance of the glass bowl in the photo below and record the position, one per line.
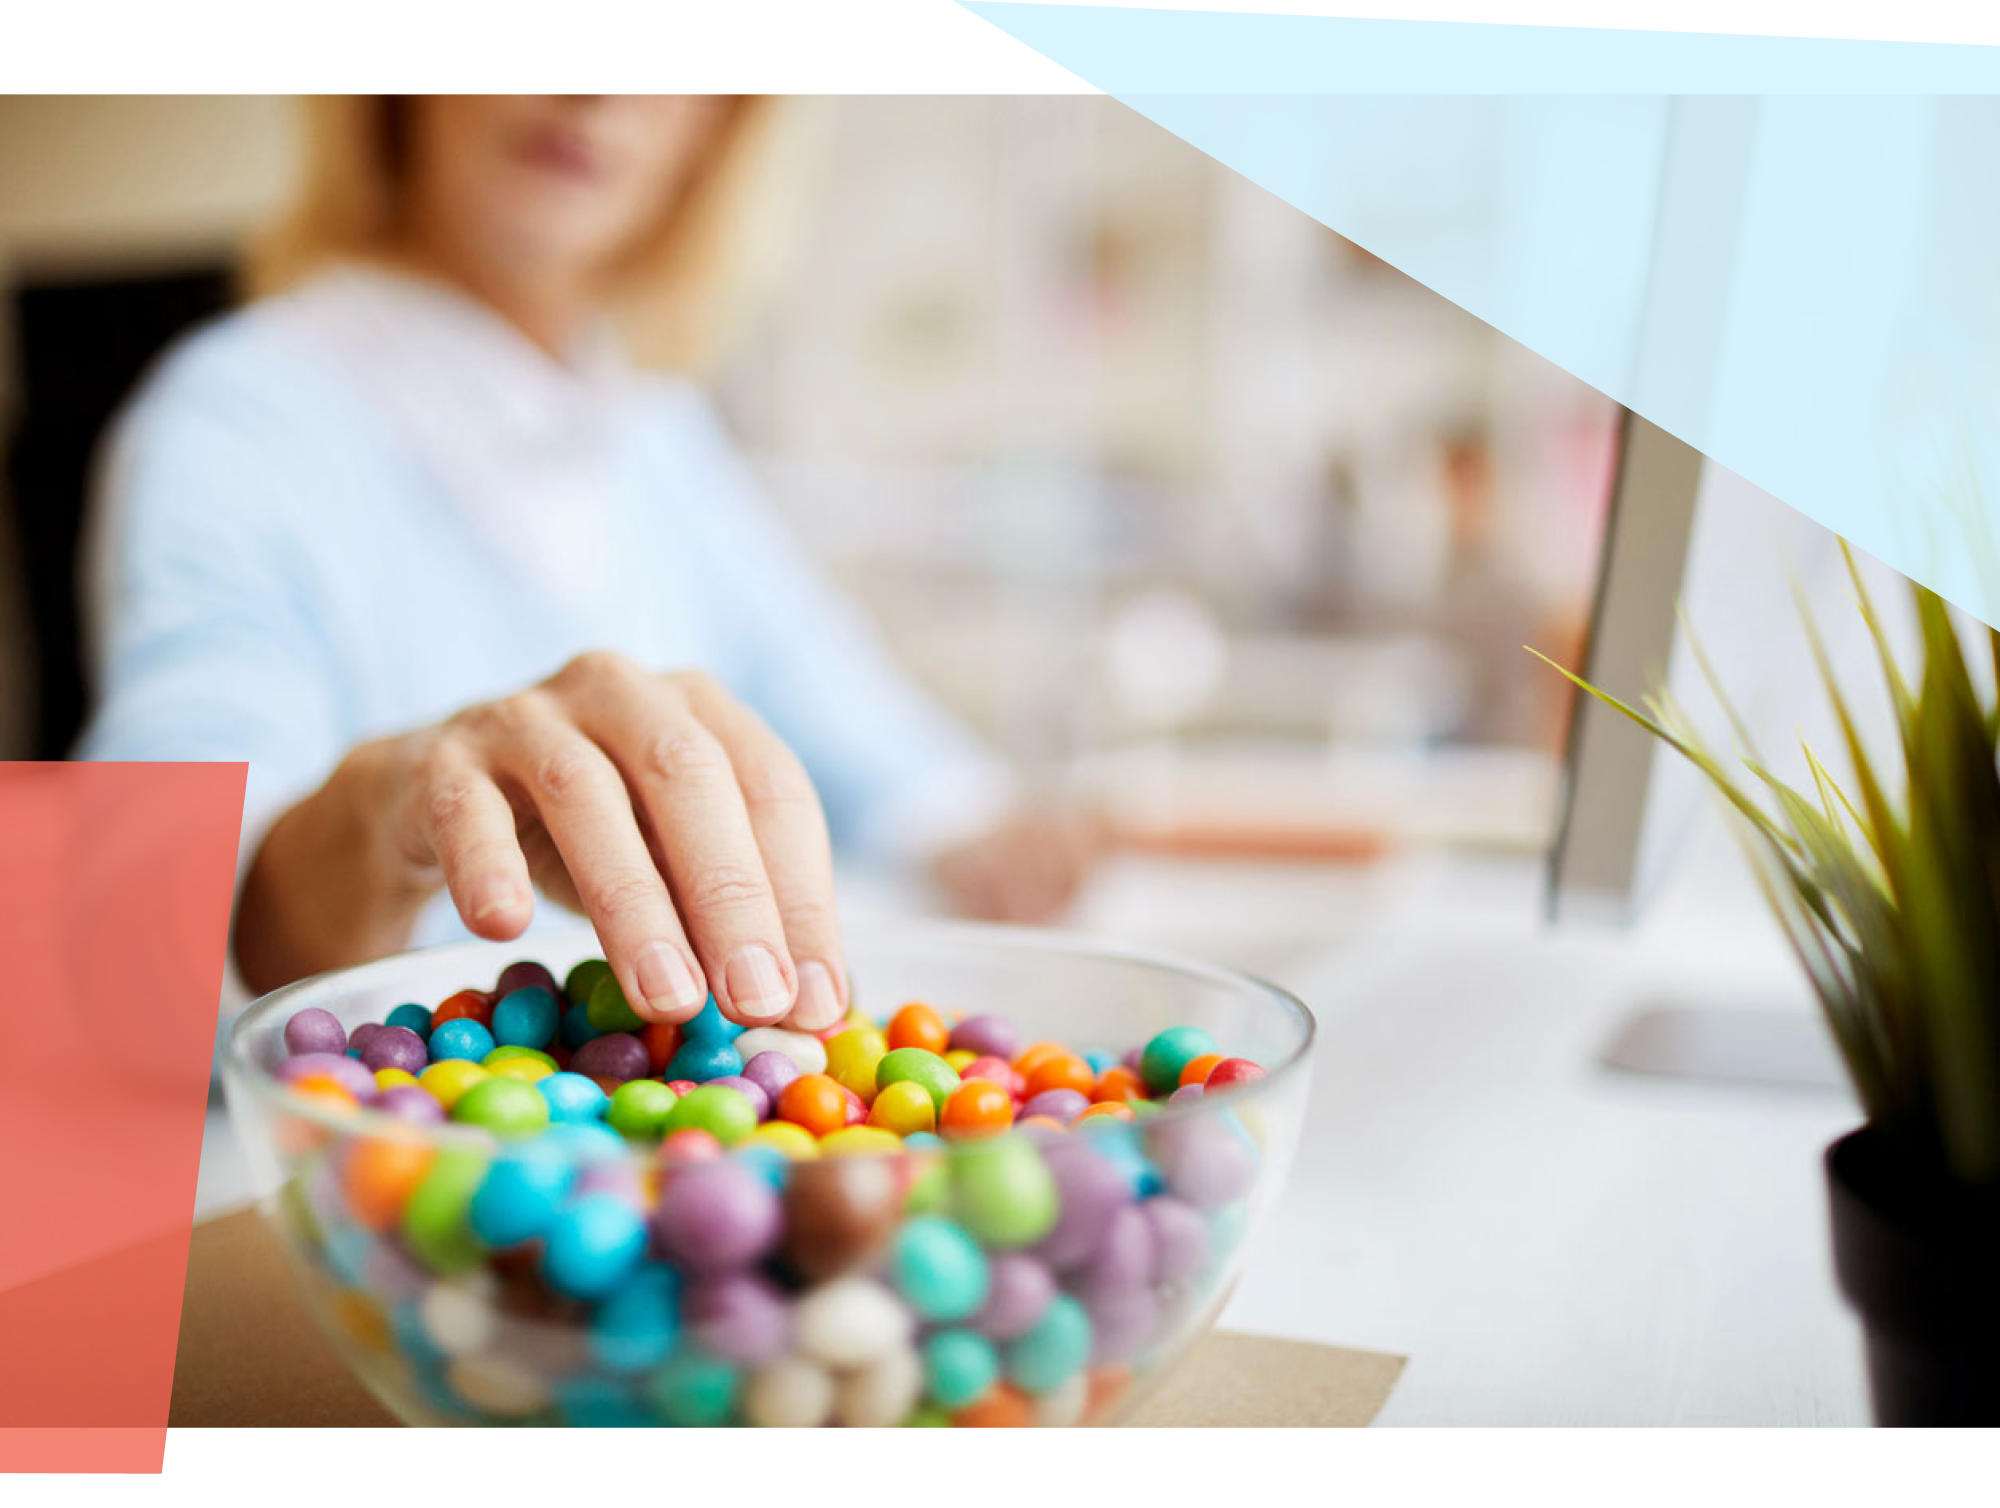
(1102, 1250)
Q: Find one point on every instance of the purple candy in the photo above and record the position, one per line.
(525, 975)
(1018, 1290)
(615, 1055)
(1180, 1238)
(1123, 1259)
(1205, 1160)
(717, 1215)
(740, 1317)
(347, 1072)
(987, 1036)
(1187, 1094)
(750, 1089)
(1061, 1105)
(771, 1072)
(361, 1036)
(1121, 1320)
(1133, 1057)
(390, 1272)
(1092, 1190)
(409, 1103)
(395, 1047)
(313, 1031)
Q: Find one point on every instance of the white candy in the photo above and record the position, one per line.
(850, 1322)
(498, 1386)
(458, 1315)
(1064, 1406)
(805, 1050)
(881, 1394)
(790, 1393)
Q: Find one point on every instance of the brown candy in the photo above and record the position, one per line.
(838, 1213)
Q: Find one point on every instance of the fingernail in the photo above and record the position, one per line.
(667, 979)
(494, 899)
(756, 984)
(819, 1003)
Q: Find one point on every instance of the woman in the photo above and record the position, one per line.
(485, 610)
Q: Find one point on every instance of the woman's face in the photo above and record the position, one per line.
(554, 187)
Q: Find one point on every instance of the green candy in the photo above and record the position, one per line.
(935, 1076)
(608, 1009)
(583, 979)
(1002, 1191)
(927, 1417)
(1167, 1054)
(930, 1193)
(694, 1391)
(504, 1106)
(717, 1109)
(640, 1107)
(434, 1223)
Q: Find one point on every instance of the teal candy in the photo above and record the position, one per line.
(462, 1038)
(635, 1328)
(694, 1391)
(416, 1018)
(939, 1268)
(1054, 1350)
(1168, 1053)
(592, 1245)
(926, 1069)
(709, 1023)
(599, 1403)
(959, 1368)
(526, 1017)
(699, 1059)
(521, 1192)
(576, 1027)
(608, 1008)
(1099, 1061)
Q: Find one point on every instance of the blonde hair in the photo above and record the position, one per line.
(677, 295)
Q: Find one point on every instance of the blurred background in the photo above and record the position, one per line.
(1182, 499)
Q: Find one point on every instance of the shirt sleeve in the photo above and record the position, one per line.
(899, 777)
(200, 604)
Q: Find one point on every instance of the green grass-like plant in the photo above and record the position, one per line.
(1891, 896)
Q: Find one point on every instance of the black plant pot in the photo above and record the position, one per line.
(1919, 1259)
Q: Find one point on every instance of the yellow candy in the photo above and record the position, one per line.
(903, 1108)
(851, 1059)
(795, 1142)
(449, 1079)
(393, 1078)
(858, 1141)
(959, 1058)
(527, 1070)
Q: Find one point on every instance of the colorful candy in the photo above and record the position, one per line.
(631, 1223)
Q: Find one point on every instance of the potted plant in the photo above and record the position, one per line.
(1889, 891)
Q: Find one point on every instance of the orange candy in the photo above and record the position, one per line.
(379, 1175)
(978, 1107)
(1043, 1122)
(917, 1025)
(814, 1101)
(1003, 1407)
(1107, 1388)
(1060, 1071)
(1115, 1110)
(1029, 1058)
(1119, 1083)
(1198, 1069)
(663, 1040)
(467, 1005)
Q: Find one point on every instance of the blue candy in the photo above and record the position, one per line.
(522, 1192)
(585, 1142)
(710, 1023)
(462, 1038)
(1054, 1350)
(416, 1018)
(1099, 1061)
(700, 1059)
(576, 1027)
(527, 1017)
(635, 1328)
(573, 1099)
(591, 1245)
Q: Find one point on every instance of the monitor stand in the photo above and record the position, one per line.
(1787, 1049)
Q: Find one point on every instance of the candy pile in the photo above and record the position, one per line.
(636, 1224)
